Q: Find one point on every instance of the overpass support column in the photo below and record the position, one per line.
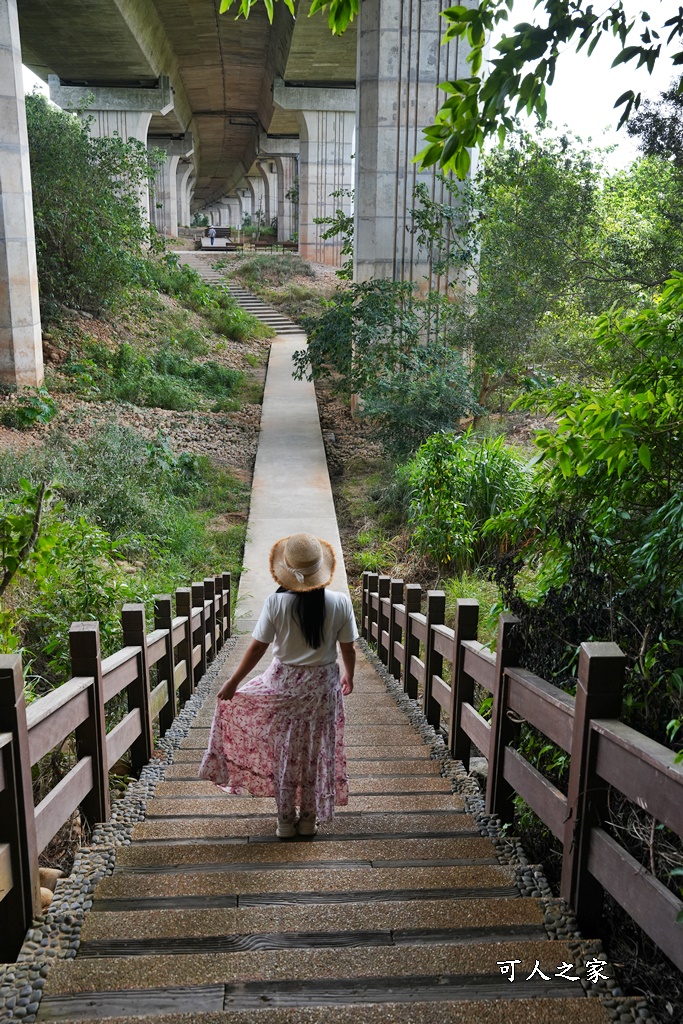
(183, 190)
(400, 64)
(326, 134)
(232, 205)
(257, 191)
(166, 196)
(21, 354)
(116, 110)
(287, 207)
(268, 172)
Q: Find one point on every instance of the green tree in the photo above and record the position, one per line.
(90, 228)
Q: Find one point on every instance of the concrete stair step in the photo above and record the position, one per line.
(306, 976)
(505, 1010)
(436, 824)
(189, 786)
(369, 851)
(222, 804)
(339, 880)
(466, 914)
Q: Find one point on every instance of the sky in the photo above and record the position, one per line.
(585, 88)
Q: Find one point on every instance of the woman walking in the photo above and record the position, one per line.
(282, 734)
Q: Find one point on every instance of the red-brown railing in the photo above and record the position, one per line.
(603, 751)
(180, 647)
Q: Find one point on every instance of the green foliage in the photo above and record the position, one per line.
(166, 380)
(34, 405)
(90, 230)
(132, 520)
(459, 484)
(482, 106)
(601, 532)
(371, 342)
(341, 225)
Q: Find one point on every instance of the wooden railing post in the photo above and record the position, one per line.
(218, 582)
(135, 635)
(210, 595)
(364, 606)
(373, 584)
(598, 695)
(228, 606)
(411, 644)
(163, 619)
(395, 597)
(183, 605)
(383, 591)
(198, 602)
(436, 614)
(91, 736)
(17, 819)
(499, 792)
(462, 685)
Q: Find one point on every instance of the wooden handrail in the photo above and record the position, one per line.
(604, 751)
(179, 647)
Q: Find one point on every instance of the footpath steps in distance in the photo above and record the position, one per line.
(203, 264)
(400, 913)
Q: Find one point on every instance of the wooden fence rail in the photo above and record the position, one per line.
(603, 752)
(178, 649)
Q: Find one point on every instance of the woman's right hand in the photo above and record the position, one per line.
(346, 685)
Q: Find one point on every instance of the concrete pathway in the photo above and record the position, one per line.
(291, 487)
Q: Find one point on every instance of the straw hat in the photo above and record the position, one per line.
(302, 562)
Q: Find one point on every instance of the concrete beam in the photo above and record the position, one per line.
(269, 146)
(21, 353)
(124, 98)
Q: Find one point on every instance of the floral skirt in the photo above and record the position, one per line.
(282, 735)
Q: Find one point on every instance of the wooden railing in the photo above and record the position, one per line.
(180, 647)
(603, 751)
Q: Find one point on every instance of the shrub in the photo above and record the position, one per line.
(90, 228)
(272, 270)
(34, 405)
(459, 484)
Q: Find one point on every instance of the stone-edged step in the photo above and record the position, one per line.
(520, 1010)
(259, 969)
(382, 916)
(184, 782)
(315, 881)
(369, 851)
(223, 805)
(398, 825)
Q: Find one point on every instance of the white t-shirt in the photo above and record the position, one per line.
(277, 623)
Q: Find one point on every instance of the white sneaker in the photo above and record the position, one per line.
(286, 828)
(308, 825)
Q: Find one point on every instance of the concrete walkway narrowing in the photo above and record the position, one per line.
(291, 490)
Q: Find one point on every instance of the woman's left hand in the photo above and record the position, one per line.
(227, 690)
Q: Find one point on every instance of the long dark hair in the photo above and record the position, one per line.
(309, 613)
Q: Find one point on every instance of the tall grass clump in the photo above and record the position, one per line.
(459, 482)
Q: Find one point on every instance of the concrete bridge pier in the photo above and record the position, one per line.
(268, 172)
(184, 182)
(165, 206)
(21, 353)
(257, 191)
(400, 64)
(326, 120)
(284, 153)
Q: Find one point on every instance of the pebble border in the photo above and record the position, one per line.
(56, 934)
(530, 879)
